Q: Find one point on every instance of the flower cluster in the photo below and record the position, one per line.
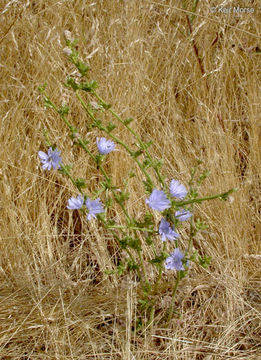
(159, 201)
(105, 146)
(51, 159)
(166, 231)
(164, 200)
(174, 261)
(94, 206)
(177, 189)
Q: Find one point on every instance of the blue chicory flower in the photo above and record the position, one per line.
(94, 207)
(183, 215)
(177, 189)
(158, 200)
(104, 146)
(166, 231)
(75, 203)
(174, 261)
(52, 159)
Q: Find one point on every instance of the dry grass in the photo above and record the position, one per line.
(55, 301)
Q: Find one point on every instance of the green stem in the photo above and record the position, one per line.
(107, 178)
(161, 180)
(116, 237)
(152, 313)
(127, 251)
(130, 227)
(191, 235)
(171, 309)
(71, 178)
(143, 268)
(160, 273)
(82, 144)
(116, 139)
(155, 290)
(199, 200)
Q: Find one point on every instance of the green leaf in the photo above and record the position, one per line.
(132, 174)
(182, 274)
(48, 103)
(101, 217)
(107, 184)
(72, 83)
(121, 268)
(106, 106)
(111, 222)
(146, 163)
(84, 142)
(80, 183)
(147, 222)
(194, 256)
(108, 203)
(123, 243)
(137, 153)
(109, 272)
(97, 123)
(88, 86)
(157, 164)
(148, 186)
(200, 225)
(158, 260)
(204, 261)
(132, 265)
(64, 110)
(123, 196)
(147, 145)
(111, 127)
(193, 194)
(127, 121)
(47, 140)
(148, 219)
(83, 68)
(42, 88)
(128, 241)
(203, 176)
(135, 244)
(149, 240)
(65, 169)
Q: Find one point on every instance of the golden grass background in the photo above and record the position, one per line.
(55, 301)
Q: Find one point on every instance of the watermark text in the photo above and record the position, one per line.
(232, 10)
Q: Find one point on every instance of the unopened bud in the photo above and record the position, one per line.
(67, 51)
(94, 105)
(76, 135)
(231, 199)
(68, 35)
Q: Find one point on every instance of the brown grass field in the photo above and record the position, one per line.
(195, 96)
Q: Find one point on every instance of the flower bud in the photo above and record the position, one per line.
(67, 51)
(231, 199)
(95, 105)
(68, 35)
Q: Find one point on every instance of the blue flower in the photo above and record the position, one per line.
(75, 203)
(166, 231)
(174, 261)
(94, 207)
(177, 189)
(183, 215)
(104, 146)
(158, 200)
(52, 159)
